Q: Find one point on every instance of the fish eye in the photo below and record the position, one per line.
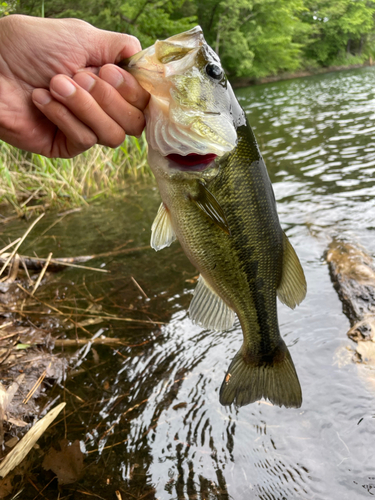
(214, 71)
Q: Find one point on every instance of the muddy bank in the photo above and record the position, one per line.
(246, 81)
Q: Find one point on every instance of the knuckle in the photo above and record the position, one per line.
(62, 113)
(115, 139)
(85, 140)
(134, 96)
(138, 97)
(107, 96)
(86, 105)
(136, 125)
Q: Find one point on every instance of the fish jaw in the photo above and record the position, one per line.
(192, 161)
(182, 167)
(192, 108)
(154, 65)
(170, 130)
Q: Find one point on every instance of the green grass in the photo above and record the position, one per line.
(27, 179)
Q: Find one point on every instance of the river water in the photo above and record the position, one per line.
(150, 422)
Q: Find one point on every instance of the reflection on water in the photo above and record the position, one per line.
(151, 421)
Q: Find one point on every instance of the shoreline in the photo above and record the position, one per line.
(247, 81)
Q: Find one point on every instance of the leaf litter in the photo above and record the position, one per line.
(28, 365)
(67, 463)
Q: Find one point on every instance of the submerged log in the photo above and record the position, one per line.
(352, 272)
(60, 263)
(54, 265)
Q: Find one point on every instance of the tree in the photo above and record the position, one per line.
(255, 37)
(147, 19)
(339, 28)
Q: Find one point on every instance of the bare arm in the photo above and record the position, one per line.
(60, 92)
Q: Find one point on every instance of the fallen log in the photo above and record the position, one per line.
(352, 271)
(60, 263)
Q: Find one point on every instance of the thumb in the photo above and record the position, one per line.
(108, 47)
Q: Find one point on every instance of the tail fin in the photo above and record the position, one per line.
(249, 379)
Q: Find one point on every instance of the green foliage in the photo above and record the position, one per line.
(254, 38)
(147, 19)
(7, 7)
(341, 28)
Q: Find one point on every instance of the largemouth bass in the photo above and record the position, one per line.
(218, 201)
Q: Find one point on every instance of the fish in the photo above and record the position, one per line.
(218, 202)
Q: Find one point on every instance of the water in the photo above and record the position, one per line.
(151, 422)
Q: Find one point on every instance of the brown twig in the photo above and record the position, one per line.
(10, 245)
(139, 287)
(42, 273)
(26, 271)
(31, 197)
(123, 415)
(109, 446)
(74, 395)
(13, 271)
(89, 494)
(80, 342)
(36, 385)
(8, 336)
(41, 491)
(68, 318)
(20, 243)
(35, 262)
(4, 325)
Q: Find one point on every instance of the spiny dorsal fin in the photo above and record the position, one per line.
(162, 233)
(208, 310)
(292, 287)
(207, 202)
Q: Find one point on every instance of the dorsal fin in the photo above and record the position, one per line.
(162, 233)
(208, 310)
(292, 288)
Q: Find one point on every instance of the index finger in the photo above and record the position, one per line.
(126, 85)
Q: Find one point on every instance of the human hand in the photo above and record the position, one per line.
(58, 95)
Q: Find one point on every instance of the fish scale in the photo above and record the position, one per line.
(254, 224)
(223, 212)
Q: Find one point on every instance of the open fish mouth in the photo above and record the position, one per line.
(192, 161)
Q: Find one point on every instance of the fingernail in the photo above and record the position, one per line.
(114, 77)
(41, 96)
(85, 81)
(62, 86)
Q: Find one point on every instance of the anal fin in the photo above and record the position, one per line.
(208, 310)
(292, 288)
(162, 233)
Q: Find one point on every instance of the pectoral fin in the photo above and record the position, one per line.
(292, 287)
(207, 309)
(162, 233)
(209, 205)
